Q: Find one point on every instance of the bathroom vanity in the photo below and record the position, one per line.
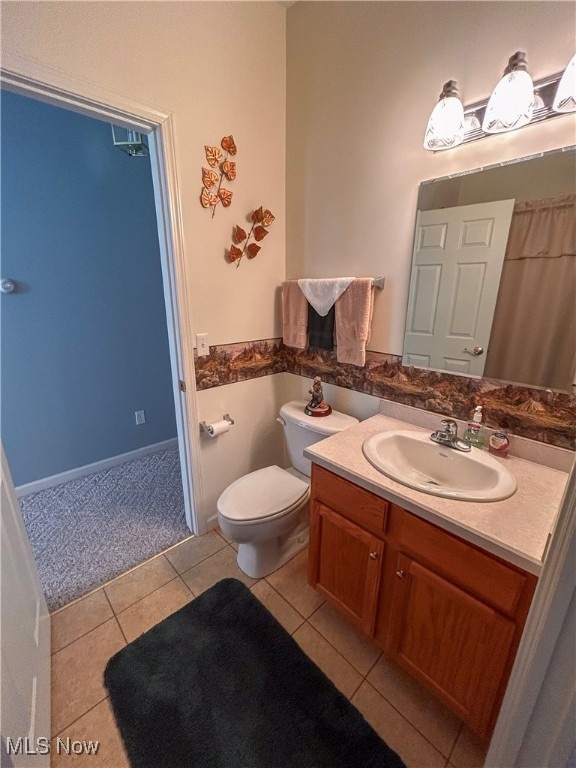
(442, 586)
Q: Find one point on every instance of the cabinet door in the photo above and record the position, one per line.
(345, 565)
(454, 643)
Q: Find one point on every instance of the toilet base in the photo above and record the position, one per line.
(265, 557)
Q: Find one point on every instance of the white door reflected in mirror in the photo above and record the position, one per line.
(456, 267)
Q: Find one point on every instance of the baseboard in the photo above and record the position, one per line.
(97, 466)
(211, 522)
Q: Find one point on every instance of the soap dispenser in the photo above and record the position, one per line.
(474, 434)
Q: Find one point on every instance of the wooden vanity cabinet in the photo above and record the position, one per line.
(449, 613)
(346, 554)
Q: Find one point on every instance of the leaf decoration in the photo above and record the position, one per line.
(225, 196)
(252, 250)
(209, 178)
(259, 233)
(213, 156)
(212, 179)
(257, 215)
(234, 253)
(228, 145)
(208, 198)
(229, 170)
(239, 235)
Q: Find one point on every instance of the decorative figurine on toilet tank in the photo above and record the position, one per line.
(317, 405)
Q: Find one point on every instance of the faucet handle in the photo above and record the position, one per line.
(450, 427)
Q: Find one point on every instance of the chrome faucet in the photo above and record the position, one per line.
(449, 436)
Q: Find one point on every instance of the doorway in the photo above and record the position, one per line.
(167, 279)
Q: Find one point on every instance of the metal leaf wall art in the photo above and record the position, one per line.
(241, 245)
(212, 190)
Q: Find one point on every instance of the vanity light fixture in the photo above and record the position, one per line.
(565, 99)
(446, 124)
(515, 103)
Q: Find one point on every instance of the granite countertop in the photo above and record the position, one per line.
(515, 529)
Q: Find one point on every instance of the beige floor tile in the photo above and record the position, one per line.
(334, 666)
(278, 607)
(193, 551)
(144, 614)
(77, 673)
(136, 584)
(352, 644)
(395, 730)
(79, 618)
(97, 725)
(292, 582)
(221, 565)
(469, 751)
(419, 707)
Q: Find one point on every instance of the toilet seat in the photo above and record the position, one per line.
(265, 494)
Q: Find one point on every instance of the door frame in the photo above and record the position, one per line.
(27, 77)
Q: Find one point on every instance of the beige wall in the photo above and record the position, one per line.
(362, 80)
(219, 68)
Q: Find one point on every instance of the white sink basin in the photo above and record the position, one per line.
(412, 459)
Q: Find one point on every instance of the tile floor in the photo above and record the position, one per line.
(87, 632)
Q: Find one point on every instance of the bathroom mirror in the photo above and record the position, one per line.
(493, 278)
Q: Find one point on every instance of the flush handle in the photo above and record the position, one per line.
(373, 555)
(475, 351)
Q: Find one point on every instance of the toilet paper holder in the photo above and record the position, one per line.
(205, 427)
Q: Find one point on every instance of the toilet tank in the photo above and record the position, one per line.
(302, 430)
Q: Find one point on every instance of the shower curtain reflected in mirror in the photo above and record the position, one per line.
(537, 298)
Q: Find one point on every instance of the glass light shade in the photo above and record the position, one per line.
(565, 99)
(511, 104)
(446, 125)
(471, 123)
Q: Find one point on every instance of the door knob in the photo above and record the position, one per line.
(476, 351)
(400, 574)
(373, 555)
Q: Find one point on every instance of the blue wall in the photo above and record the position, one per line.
(84, 340)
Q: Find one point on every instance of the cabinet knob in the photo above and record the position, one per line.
(373, 555)
(400, 574)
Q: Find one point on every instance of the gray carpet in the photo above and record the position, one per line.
(91, 530)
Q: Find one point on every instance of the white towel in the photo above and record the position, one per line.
(322, 293)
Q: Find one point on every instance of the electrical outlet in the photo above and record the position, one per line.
(202, 346)
(140, 417)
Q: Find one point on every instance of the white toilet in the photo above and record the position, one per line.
(266, 511)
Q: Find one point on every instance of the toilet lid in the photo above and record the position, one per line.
(261, 494)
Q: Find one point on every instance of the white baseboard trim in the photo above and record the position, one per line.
(97, 466)
(211, 522)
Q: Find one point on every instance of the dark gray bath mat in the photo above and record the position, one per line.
(221, 684)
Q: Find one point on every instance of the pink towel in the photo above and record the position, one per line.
(294, 315)
(354, 320)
